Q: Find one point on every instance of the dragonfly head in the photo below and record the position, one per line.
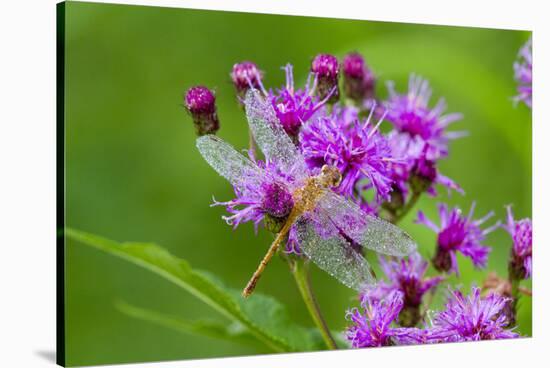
(330, 176)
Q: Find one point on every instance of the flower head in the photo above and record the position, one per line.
(200, 102)
(267, 200)
(294, 107)
(410, 114)
(408, 277)
(246, 75)
(271, 196)
(358, 78)
(523, 73)
(415, 165)
(355, 147)
(326, 69)
(458, 234)
(521, 232)
(373, 325)
(471, 318)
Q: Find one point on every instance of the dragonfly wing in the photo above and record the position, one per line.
(366, 230)
(270, 136)
(227, 162)
(333, 254)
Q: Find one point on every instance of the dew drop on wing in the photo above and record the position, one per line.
(366, 230)
(271, 138)
(227, 162)
(333, 254)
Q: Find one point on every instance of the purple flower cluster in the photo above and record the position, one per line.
(420, 138)
(523, 73)
(379, 170)
(374, 324)
(471, 318)
(411, 116)
(414, 170)
(271, 196)
(388, 153)
(465, 318)
(355, 147)
(294, 107)
(408, 277)
(458, 234)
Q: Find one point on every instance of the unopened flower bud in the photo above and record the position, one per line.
(358, 79)
(326, 69)
(246, 75)
(200, 102)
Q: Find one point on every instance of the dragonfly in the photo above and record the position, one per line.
(331, 230)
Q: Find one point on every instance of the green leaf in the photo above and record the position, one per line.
(262, 315)
(234, 331)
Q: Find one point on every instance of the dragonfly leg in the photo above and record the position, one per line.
(261, 267)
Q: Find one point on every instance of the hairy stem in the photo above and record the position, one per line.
(515, 290)
(406, 208)
(300, 270)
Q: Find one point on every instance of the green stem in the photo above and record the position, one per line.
(410, 204)
(515, 296)
(301, 275)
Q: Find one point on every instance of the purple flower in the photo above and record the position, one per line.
(277, 200)
(246, 75)
(458, 234)
(358, 78)
(408, 277)
(372, 326)
(523, 69)
(200, 102)
(521, 232)
(268, 201)
(294, 107)
(410, 114)
(471, 318)
(272, 196)
(415, 164)
(355, 147)
(326, 69)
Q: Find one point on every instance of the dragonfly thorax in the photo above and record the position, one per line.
(306, 197)
(330, 176)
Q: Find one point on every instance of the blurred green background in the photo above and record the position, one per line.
(133, 173)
